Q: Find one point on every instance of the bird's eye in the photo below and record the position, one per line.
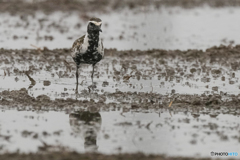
(91, 24)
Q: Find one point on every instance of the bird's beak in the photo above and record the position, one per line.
(99, 29)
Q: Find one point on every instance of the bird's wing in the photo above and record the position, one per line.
(102, 49)
(78, 43)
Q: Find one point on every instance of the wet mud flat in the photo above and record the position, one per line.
(137, 79)
(154, 74)
(128, 109)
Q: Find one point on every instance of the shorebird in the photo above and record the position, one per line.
(89, 48)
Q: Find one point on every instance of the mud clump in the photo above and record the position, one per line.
(216, 71)
(196, 101)
(214, 100)
(43, 98)
(105, 83)
(46, 83)
(20, 96)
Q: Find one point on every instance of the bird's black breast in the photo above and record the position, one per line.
(88, 58)
(91, 56)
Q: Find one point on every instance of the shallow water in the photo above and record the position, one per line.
(174, 133)
(171, 76)
(141, 29)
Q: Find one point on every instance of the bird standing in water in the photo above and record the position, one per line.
(89, 48)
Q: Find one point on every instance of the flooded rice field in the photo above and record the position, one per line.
(128, 109)
(167, 88)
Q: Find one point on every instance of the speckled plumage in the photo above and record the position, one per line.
(89, 48)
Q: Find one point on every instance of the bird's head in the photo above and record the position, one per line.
(94, 25)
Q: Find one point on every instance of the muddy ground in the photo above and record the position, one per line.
(131, 81)
(126, 67)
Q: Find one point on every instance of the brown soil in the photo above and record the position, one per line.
(88, 156)
(16, 6)
(142, 100)
(50, 59)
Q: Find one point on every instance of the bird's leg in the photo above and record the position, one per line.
(92, 73)
(76, 91)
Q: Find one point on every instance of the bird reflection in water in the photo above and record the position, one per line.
(87, 125)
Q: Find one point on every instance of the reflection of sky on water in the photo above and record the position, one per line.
(175, 134)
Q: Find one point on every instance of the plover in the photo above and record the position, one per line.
(89, 48)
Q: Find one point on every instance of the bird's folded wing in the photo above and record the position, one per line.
(78, 43)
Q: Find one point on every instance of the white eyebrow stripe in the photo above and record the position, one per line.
(96, 23)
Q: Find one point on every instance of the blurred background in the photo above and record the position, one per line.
(127, 24)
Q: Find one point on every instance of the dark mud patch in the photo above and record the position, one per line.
(216, 53)
(140, 102)
(92, 156)
(103, 5)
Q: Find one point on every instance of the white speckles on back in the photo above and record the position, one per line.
(80, 46)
